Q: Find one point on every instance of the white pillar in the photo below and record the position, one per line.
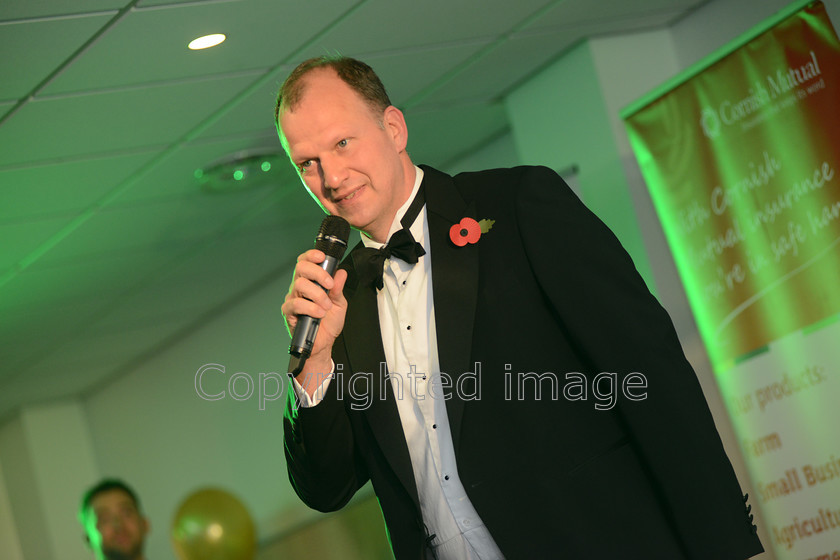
(48, 461)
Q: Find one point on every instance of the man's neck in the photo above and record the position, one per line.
(113, 555)
(416, 179)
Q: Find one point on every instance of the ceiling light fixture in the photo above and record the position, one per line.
(207, 41)
(244, 170)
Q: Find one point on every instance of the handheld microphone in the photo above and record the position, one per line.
(332, 241)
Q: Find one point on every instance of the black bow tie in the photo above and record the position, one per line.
(369, 262)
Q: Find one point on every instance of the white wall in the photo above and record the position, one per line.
(46, 455)
(153, 429)
(501, 152)
(9, 542)
(719, 22)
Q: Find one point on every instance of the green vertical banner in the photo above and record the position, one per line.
(741, 158)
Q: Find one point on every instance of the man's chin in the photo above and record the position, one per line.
(133, 553)
(354, 221)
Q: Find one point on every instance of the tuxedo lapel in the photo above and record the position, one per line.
(454, 285)
(365, 353)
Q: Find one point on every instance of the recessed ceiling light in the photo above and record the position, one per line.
(207, 41)
(243, 170)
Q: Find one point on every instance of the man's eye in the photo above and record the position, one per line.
(342, 143)
(302, 167)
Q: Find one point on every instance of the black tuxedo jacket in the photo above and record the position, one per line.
(544, 299)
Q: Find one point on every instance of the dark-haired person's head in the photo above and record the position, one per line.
(346, 141)
(115, 527)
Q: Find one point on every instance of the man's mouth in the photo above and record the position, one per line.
(348, 197)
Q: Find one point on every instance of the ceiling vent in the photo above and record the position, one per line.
(245, 170)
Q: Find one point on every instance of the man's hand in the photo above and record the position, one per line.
(307, 297)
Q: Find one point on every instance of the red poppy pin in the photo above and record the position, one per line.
(469, 231)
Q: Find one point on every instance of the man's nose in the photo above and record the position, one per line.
(334, 170)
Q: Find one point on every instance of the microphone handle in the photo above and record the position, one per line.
(307, 327)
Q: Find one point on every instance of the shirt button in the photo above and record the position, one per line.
(434, 426)
(446, 477)
(408, 327)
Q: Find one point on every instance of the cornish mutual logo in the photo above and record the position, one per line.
(710, 122)
(785, 85)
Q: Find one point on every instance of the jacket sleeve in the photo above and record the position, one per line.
(323, 463)
(619, 327)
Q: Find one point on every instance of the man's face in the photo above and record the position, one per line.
(115, 528)
(351, 160)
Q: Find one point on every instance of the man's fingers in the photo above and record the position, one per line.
(309, 266)
(312, 255)
(314, 273)
(307, 295)
(306, 289)
(301, 306)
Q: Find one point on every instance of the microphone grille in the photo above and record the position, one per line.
(332, 237)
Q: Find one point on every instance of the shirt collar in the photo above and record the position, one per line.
(396, 225)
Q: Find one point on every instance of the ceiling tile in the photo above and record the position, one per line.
(404, 75)
(501, 68)
(168, 3)
(29, 332)
(112, 349)
(109, 122)
(150, 45)
(98, 279)
(40, 47)
(19, 239)
(204, 282)
(402, 25)
(155, 226)
(22, 9)
(570, 13)
(5, 107)
(528, 51)
(58, 188)
(255, 113)
(292, 210)
(251, 252)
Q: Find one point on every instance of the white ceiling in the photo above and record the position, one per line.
(109, 249)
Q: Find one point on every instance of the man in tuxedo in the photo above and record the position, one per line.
(488, 357)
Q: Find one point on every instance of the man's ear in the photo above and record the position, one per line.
(394, 122)
(146, 525)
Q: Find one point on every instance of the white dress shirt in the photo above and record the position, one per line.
(409, 338)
